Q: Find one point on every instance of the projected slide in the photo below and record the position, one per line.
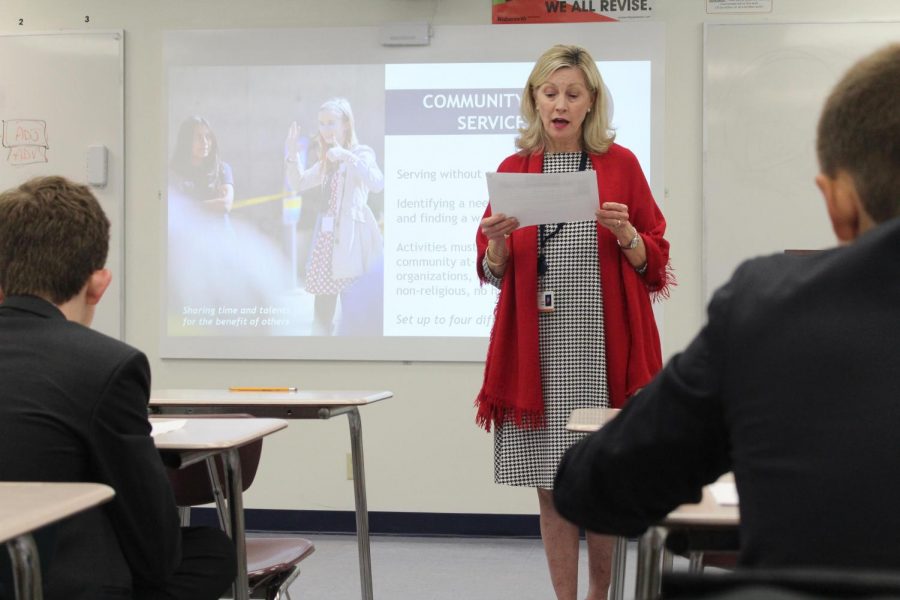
(329, 210)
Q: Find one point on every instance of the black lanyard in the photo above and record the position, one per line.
(542, 266)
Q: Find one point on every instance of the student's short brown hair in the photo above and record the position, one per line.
(859, 131)
(53, 236)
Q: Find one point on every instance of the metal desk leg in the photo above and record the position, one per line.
(221, 501)
(695, 564)
(234, 485)
(617, 579)
(650, 549)
(26, 567)
(362, 510)
(668, 560)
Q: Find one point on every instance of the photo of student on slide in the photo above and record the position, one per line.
(202, 242)
(200, 174)
(347, 242)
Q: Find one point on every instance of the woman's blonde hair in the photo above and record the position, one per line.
(596, 134)
(340, 106)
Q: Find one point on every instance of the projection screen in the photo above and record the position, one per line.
(247, 122)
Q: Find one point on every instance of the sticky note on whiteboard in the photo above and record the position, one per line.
(97, 157)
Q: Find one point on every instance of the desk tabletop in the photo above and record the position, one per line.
(26, 506)
(300, 398)
(215, 434)
(590, 419)
(707, 512)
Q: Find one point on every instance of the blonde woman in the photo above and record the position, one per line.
(574, 326)
(346, 237)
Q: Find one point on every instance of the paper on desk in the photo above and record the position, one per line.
(541, 198)
(725, 493)
(159, 427)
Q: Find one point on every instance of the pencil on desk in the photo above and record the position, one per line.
(261, 389)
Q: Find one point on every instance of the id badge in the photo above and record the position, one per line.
(327, 224)
(545, 301)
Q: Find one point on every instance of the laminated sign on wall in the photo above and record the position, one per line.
(513, 12)
(716, 7)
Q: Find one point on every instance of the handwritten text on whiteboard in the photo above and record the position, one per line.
(26, 140)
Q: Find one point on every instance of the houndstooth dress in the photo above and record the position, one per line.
(571, 343)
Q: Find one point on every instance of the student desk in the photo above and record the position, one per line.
(588, 420)
(304, 404)
(200, 439)
(707, 514)
(27, 506)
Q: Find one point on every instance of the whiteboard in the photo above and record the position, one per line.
(61, 93)
(764, 87)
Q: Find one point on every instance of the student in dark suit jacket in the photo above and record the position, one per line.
(73, 407)
(793, 382)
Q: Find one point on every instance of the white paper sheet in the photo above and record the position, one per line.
(724, 492)
(161, 426)
(542, 198)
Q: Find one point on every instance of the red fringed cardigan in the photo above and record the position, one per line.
(512, 373)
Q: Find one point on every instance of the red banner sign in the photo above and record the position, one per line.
(512, 12)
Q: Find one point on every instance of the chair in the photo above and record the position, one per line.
(272, 563)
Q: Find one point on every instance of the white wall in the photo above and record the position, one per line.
(423, 451)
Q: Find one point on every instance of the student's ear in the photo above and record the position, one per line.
(842, 203)
(96, 285)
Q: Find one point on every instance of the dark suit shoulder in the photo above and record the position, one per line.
(840, 272)
(66, 358)
(97, 343)
(46, 326)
